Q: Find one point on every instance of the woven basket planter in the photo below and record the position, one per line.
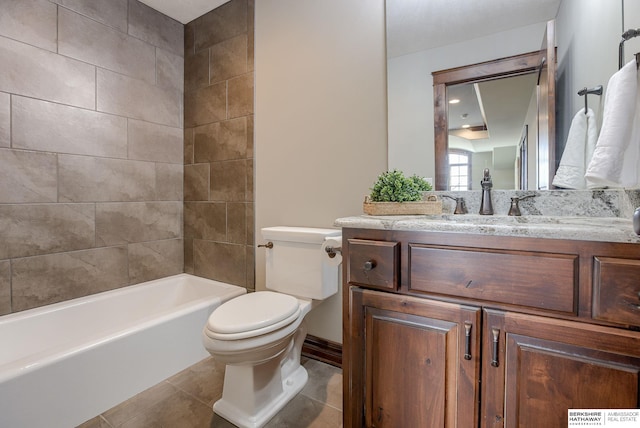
(431, 206)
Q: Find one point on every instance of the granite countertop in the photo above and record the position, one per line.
(587, 215)
(606, 229)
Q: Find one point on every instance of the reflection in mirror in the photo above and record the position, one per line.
(492, 132)
(487, 114)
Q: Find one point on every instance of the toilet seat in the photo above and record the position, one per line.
(252, 315)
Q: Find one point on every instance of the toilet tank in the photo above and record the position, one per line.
(298, 265)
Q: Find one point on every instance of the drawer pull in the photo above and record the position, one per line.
(467, 341)
(369, 265)
(495, 335)
(634, 305)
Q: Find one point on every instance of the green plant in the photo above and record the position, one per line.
(393, 186)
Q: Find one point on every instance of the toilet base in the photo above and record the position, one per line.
(291, 385)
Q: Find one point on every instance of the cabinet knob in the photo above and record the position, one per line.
(369, 265)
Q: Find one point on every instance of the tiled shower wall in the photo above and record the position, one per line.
(218, 136)
(91, 148)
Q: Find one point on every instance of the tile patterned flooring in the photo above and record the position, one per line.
(185, 399)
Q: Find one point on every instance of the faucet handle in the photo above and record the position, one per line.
(514, 209)
(461, 206)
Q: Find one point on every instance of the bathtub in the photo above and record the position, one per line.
(65, 363)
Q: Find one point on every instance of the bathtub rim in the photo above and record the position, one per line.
(42, 359)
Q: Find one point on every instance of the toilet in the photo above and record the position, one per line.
(259, 336)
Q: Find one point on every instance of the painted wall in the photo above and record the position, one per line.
(320, 119)
(90, 148)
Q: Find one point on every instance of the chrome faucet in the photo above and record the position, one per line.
(486, 207)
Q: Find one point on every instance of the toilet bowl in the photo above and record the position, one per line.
(259, 336)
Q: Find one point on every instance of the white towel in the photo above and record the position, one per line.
(578, 151)
(615, 159)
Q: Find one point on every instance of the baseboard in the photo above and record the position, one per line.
(322, 350)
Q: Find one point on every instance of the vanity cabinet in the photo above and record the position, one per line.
(462, 330)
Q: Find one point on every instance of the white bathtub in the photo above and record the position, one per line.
(65, 363)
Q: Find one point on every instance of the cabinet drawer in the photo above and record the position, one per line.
(616, 290)
(373, 263)
(538, 280)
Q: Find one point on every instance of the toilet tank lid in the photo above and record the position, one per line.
(310, 235)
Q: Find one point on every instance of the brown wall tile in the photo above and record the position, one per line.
(188, 255)
(5, 120)
(205, 220)
(237, 223)
(112, 12)
(230, 266)
(250, 223)
(89, 41)
(27, 177)
(205, 105)
(42, 280)
(220, 24)
(32, 22)
(188, 146)
(250, 268)
(150, 141)
(189, 38)
(241, 96)
(196, 70)
(251, 10)
(41, 125)
(169, 182)
(155, 259)
(31, 229)
(250, 142)
(125, 96)
(228, 58)
(248, 196)
(155, 28)
(128, 222)
(196, 182)
(89, 179)
(5, 287)
(170, 70)
(221, 141)
(67, 81)
(228, 181)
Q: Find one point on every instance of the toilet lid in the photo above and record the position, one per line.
(252, 311)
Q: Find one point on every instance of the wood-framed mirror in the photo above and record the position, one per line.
(541, 65)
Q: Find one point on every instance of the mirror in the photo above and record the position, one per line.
(424, 37)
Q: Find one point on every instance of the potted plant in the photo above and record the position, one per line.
(395, 194)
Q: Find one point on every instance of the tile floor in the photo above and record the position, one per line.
(185, 399)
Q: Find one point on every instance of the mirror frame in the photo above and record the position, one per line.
(490, 70)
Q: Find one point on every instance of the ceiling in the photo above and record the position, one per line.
(184, 11)
(415, 25)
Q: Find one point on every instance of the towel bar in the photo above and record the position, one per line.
(597, 90)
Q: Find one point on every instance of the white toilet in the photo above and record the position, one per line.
(259, 336)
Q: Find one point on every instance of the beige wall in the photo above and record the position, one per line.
(90, 148)
(320, 119)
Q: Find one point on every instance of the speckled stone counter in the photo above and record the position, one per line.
(602, 215)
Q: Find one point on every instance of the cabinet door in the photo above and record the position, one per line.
(535, 369)
(421, 362)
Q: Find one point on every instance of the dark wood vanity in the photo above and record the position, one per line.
(467, 330)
